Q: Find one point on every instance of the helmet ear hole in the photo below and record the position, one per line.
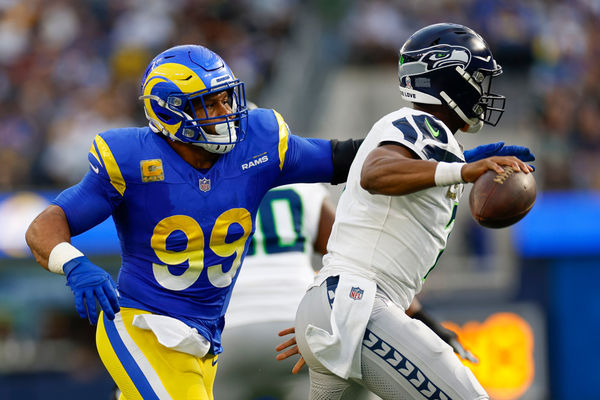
(165, 117)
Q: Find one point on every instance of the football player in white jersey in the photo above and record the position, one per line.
(293, 222)
(392, 224)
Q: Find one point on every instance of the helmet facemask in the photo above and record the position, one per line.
(491, 103)
(487, 107)
(226, 132)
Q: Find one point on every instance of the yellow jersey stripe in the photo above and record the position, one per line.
(283, 138)
(112, 168)
(95, 153)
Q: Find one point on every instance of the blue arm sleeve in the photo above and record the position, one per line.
(307, 160)
(88, 203)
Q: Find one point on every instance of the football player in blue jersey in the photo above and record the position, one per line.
(183, 193)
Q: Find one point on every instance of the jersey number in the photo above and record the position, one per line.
(279, 225)
(193, 254)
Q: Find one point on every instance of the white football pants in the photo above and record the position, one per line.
(401, 358)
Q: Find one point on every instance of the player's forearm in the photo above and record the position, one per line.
(46, 231)
(395, 176)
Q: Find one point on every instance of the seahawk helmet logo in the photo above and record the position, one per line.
(436, 57)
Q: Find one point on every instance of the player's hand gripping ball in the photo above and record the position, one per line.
(500, 200)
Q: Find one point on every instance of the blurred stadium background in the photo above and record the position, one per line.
(524, 299)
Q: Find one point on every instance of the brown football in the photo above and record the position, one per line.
(500, 200)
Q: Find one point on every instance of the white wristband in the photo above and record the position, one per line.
(447, 174)
(60, 255)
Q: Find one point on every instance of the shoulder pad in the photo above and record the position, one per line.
(269, 127)
(262, 119)
(113, 154)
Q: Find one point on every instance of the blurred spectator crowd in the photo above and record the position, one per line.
(555, 44)
(71, 68)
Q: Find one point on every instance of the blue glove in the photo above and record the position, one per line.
(89, 283)
(498, 149)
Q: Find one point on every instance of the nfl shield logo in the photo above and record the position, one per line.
(356, 293)
(205, 184)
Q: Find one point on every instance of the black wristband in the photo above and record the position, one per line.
(342, 153)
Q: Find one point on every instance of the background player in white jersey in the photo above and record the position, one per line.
(293, 222)
(392, 224)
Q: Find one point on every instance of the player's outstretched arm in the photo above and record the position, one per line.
(49, 238)
(394, 170)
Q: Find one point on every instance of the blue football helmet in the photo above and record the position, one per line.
(181, 77)
(451, 64)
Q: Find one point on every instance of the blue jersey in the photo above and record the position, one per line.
(184, 232)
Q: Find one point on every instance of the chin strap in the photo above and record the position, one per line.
(474, 124)
(226, 132)
(475, 128)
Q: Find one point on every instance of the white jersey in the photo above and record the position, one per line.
(395, 240)
(278, 268)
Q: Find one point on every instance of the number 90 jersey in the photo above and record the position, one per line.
(278, 268)
(184, 232)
